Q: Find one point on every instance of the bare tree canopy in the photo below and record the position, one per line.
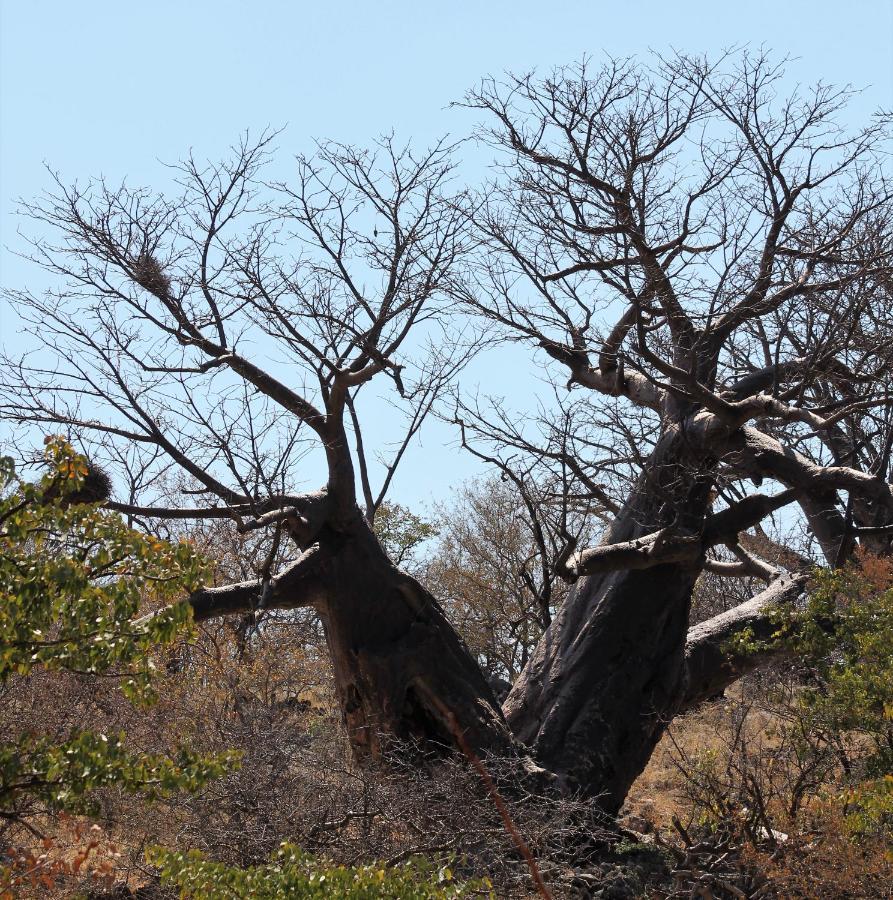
(707, 264)
(205, 342)
(712, 264)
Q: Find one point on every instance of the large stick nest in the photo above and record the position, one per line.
(148, 274)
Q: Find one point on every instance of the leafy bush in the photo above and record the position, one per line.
(798, 774)
(72, 577)
(293, 873)
(844, 638)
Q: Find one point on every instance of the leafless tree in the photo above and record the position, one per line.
(493, 565)
(209, 342)
(715, 262)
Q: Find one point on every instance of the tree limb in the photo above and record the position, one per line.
(299, 584)
(710, 664)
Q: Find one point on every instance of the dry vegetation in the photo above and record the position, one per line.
(267, 697)
(726, 808)
(719, 793)
(742, 797)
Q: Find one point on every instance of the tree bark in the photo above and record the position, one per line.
(711, 665)
(399, 665)
(608, 675)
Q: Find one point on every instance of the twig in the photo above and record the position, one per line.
(492, 790)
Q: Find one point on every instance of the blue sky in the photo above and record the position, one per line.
(116, 88)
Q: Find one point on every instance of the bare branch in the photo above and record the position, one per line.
(710, 663)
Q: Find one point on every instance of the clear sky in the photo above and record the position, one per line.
(109, 88)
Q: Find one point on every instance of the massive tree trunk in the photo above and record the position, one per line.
(608, 675)
(401, 671)
(606, 679)
(403, 675)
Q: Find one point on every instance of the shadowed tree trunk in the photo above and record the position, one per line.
(392, 650)
(608, 674)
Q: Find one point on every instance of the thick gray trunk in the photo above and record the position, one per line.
(605, 680)
(608, 675)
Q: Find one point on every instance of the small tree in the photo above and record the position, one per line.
(402, 533)
(494, 566)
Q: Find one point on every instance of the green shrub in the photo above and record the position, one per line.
(845, 639)
(830, 731)
(72, 576)
(293, 873)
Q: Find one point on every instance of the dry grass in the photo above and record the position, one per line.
(298, 782)
(732, 823)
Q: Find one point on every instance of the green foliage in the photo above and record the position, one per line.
(72, 576)
(401, 532)
(293, 873)
(66, 775)
(845, 636)
(839, 719)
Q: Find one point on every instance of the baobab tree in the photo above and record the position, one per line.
(711, 265)
(209, 341)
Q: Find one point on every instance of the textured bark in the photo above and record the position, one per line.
(400, 668)
(608, 674)
(299, 584)
(397, 661)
